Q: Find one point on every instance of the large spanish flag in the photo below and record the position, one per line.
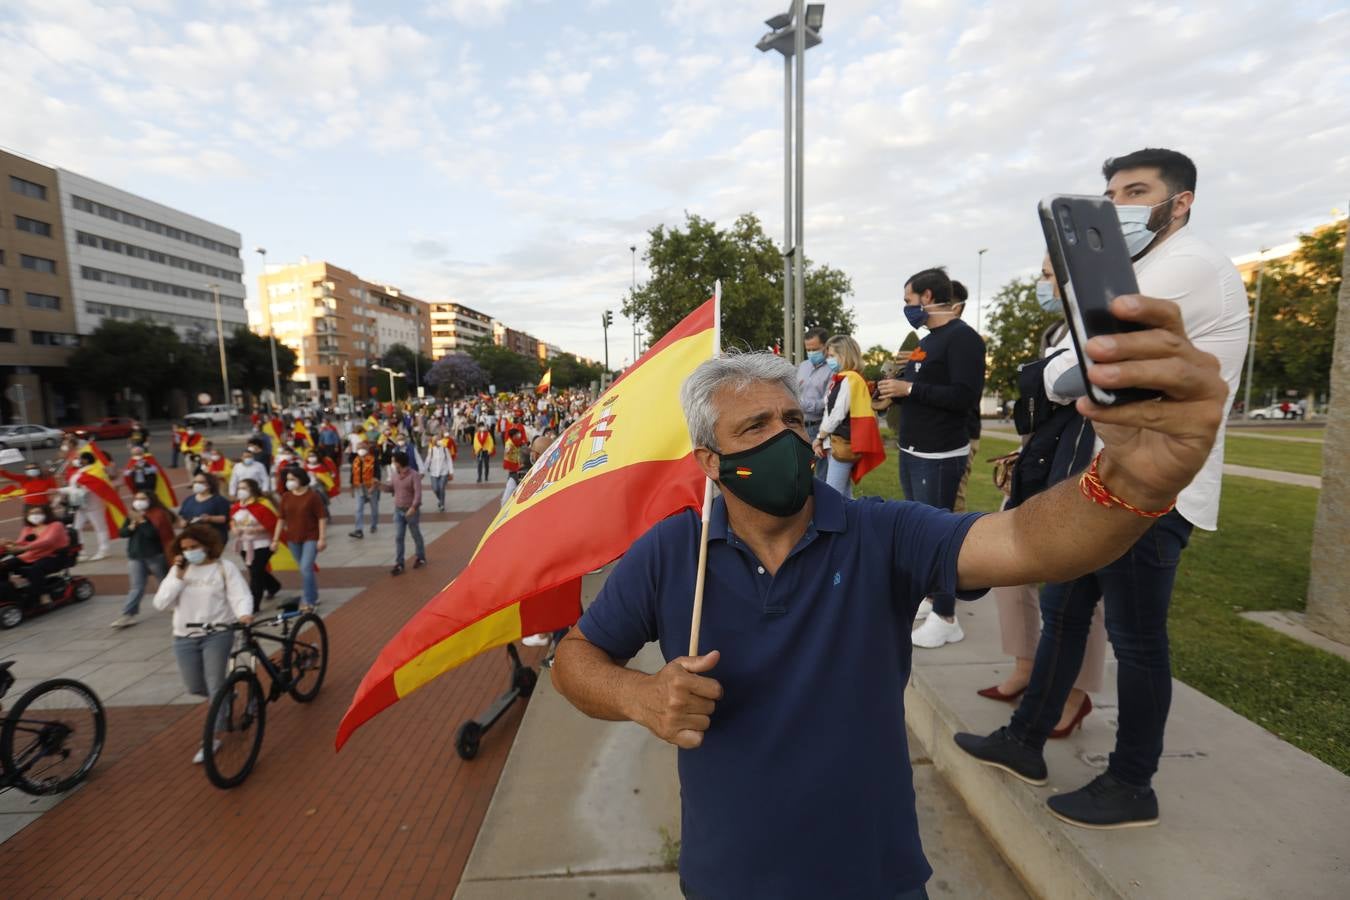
(163, 485)
(193, 442)
(300, 431)
(94, 478)
(625, 465)
(545, 383)
(864, 432)
(265, 512)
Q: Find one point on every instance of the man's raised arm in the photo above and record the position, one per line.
(1153, 449)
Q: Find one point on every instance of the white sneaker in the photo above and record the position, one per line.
(97, 556)
(201, 753)
(936, 631)
(536, 640)
(925, 607)
(124, 621)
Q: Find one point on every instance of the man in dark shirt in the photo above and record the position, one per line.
(793, 765)
(940, 386)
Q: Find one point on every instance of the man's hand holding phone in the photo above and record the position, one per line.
(1153, 448)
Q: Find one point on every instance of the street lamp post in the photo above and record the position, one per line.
(979, 288)
(266, 304)
(794, 32)
(632, 293)
(1251, 350)
(392, 375)
(220, 342)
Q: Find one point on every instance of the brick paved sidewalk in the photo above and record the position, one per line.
(394, 815)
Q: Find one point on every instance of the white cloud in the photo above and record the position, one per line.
(474, 13)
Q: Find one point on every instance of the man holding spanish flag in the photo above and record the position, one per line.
(95, 499)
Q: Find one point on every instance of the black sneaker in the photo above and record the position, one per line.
(1004, 751)
(419, 562)
(397, 570)
(356, 534)
(1106, 802)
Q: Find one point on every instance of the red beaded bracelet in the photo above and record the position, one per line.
(1090, 483)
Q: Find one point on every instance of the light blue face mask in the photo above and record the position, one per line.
(815, 356)
(195, 556)
(1134, 225)
(1045, 296)
(833, 363)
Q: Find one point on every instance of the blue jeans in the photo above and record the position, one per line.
(304, 554)
(822, 465)
(483, 460)
(369, 495)
(404, 521)
(438, 488)
(933, 482)
(838, 475)
(204, 661)
(138, 570)
(1138, 591)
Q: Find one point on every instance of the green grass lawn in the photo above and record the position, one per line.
(1287, 456)
(1314, 433)
(1257, 560)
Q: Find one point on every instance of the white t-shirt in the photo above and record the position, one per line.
(1193, 274)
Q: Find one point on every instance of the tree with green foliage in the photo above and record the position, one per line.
(505, 368)
(1014, 327)
(1296, 333)
(249, 358)
(139, 356)
(686, 262)
(570, 372)
(413, 365)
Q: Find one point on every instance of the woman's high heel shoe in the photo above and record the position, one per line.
(1077, 721)
(993, 693)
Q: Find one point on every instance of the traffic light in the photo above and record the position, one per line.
(607, 319)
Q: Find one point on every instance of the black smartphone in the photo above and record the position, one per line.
(1093, 267)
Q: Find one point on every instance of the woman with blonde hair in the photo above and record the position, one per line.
(834, 440)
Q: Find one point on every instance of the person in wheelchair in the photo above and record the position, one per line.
(41, 550)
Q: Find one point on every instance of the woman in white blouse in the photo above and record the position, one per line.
(203, 588)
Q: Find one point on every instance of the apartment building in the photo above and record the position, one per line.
(1249, 265)
(513, 340)
(339, 325)
(455, 326)
(37, 312)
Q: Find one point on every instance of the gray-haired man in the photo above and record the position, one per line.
(792, 765)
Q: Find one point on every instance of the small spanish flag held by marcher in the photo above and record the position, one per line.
(629, 454)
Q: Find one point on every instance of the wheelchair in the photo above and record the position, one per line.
(61, 586)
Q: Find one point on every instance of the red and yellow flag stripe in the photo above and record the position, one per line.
(629, 455)
(865, 433)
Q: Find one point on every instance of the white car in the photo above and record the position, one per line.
(1274, 412)
(29, 437)
(215, 414)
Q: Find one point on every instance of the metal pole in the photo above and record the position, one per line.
(799, 43)
(789, 344)
(979, 289)
(631, 295)
(1251, 351)
(271, 337)
(220, 342)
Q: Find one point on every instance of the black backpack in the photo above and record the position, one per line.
(1060, 440)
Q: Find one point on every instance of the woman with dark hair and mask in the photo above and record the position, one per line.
(36, 554)
(149, 532)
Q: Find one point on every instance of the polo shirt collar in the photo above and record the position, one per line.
(829, 515)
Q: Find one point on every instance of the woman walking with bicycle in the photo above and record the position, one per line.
(203, 588)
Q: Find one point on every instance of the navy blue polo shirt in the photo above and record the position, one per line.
(802, 787)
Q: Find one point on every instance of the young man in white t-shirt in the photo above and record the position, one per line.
(1153, 190)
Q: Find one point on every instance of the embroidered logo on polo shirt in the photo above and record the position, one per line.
(837, 579)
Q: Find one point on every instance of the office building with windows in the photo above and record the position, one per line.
(455, 327)
(339, 325)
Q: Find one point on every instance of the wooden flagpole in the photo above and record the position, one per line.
(697, 620)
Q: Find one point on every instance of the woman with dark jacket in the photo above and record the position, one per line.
(149, 532)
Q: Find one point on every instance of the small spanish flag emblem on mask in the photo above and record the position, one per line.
(742, 472)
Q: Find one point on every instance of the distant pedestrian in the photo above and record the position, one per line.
(441, 454)
(206, 506)
(305, 529)
(406, 486)
(253, 519)
(149, 532)
(365, 489)
(483, 446)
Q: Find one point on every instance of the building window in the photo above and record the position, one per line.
(32, 226)
(55, 339)
(135, 221)
(37, 263)
(27, 188)
(112, 246)
(158, 287)
(6, 335)
(4, 296)
(43, 301)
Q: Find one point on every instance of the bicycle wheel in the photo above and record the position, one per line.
(309, 657)
(233, 733)
(53, 736)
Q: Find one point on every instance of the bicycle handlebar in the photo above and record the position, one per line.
(240, 626)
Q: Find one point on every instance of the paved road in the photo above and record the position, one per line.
(395, 814)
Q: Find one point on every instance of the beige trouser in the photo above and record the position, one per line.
(1019, 619)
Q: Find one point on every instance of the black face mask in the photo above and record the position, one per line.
(775, 477)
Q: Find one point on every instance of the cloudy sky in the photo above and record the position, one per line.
(506, 153)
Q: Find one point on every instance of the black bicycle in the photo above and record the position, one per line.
(51, 737)
(233, 733)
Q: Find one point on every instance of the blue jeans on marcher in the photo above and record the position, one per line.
(933, 482)
(839, 475)
(305, 554)
(1137, 589)
(822, 465)
(204, 662)
(408, 521)
(369, 495)
(438, 488)
(138, 570)
(484, 460)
